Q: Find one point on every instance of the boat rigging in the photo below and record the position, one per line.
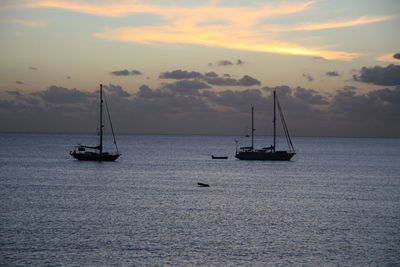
(96, 153)
(267, 153)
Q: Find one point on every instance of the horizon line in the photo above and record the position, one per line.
(195, 134)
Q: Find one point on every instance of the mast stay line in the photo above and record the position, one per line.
(109, 119)
(286, 130)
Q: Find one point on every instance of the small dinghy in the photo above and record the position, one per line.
(203, 185)
(216, 157)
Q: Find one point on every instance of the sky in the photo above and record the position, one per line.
(197, 67)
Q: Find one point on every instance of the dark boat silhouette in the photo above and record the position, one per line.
(216, 157)
(203, 185)
(96, 153)
(267, 153)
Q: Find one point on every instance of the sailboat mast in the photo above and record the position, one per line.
(101, 119)
(252, 128)
(274, 121)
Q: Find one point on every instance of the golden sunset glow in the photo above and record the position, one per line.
(171, 35)
(388, 58)
(330, 25)
(202, 25)
(27, 23)
(122, 8)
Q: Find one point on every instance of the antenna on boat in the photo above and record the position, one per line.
(236, 142)
(274, 122)
(101, 119)
(252, 128)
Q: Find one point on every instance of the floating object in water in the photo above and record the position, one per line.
(215, 157)
(203, 185)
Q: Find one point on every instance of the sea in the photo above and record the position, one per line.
(336, 203)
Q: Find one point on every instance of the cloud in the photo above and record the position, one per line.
(116, 90)
(333, 24)
(303, 106)
(136, 72)
(389, 75)
(22, 98)
(241, 30)
(186, 86)
(212, 74)
(395, 58)
(146, 92)
(60, 95)
(332, 74)
(196, 13)
(55, 109)
(378, 107)
(236, 100)
(310, 96)
(308, 77)
(120, 73)
(125, 72)
(15, 93)
(211, 78)
(224, 63)
(33, 68)
(298, 95)
(386, 96)
(27, 23)
(223, 81)
(227, 63)
(180, 74)
(240, 41)
(283, 90)
(169, 109)
(248, 81)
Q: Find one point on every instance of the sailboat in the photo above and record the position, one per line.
(96, 153)
(267, 153)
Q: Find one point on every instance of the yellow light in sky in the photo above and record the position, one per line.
(388, 58)
(231, 27)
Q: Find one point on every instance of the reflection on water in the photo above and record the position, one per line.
(337, 203)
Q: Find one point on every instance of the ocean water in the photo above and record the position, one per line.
(337, 203)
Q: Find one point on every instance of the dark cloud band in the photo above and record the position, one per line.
(211, 78)
(332, 74)
(125, 72)
(175, 108)
(389, 75)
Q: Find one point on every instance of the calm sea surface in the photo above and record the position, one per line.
(337, 203)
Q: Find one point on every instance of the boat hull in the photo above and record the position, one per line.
(89, 156)
(261, 155)
(215, 157)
